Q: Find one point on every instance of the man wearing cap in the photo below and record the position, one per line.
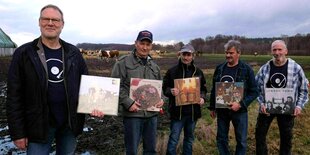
(137, 123)
(233, 70)
(184, 116)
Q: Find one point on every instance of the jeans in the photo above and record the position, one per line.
(240, 123)
(65, 143)
(175, 130)
(134, 128)
(285, 124)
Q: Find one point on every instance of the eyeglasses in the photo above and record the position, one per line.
(45, 20)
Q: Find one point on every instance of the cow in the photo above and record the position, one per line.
(162, 52)
(103, 54)
(198, 53)
(114, 54)
(82, 51)
(255, 53)
(106, 54)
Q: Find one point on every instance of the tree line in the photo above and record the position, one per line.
(298, 44)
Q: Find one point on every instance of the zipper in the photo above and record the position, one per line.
(144, 76)
(193, 112)
(66, 89)
(192, 104)
(180, 112)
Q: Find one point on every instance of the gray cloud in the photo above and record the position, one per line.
(110, 22)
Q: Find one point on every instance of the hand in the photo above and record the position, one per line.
(263, 109)
(234, 106)
(21, 143)
(135, 107)
(160, 104)
(175, 91)
(297, 111)
(213, 114)
(202, 101)
(97, 113)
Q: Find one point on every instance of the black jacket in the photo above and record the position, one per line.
(177, 72)
(27, 106)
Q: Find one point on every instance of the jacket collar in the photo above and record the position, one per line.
(181, 64)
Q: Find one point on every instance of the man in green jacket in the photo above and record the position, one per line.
(137, 123)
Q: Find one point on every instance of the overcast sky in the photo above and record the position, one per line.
(171, 21)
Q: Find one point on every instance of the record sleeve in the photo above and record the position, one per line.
(100, 93)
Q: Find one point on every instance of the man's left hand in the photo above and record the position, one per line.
(297, 111)
(160, 104)
(202, 101)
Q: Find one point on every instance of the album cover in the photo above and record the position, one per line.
(280, 100)
(228, 92)
(189, 91)
(100, 93)
(146, 92)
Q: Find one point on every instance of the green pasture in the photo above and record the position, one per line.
(260, 59)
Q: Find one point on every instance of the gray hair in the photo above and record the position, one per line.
(54, 7)
(233, 43)
(279, 42)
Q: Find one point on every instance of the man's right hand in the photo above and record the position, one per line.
(135, 107)
(175, 91)
(97, 113)
(21, 143)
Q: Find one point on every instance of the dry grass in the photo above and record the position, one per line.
(205, 142)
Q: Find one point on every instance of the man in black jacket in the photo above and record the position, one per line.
(236, 71)
(43, 88)
(183, 116)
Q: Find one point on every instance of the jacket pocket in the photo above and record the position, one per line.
(133, 71)
(154, 72)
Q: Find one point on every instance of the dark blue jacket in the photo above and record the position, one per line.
(244, 74)
(27, 106)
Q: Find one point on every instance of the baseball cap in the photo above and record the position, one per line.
(145, 34)
(187, 48)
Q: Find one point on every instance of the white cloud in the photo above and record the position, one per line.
(22, 37)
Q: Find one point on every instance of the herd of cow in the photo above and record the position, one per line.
(103, 54)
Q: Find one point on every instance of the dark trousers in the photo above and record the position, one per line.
(176, 126)
(240, 123)
(285, 124)
(134, 129)
(65, 143)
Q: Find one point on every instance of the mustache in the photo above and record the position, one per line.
(275, 55)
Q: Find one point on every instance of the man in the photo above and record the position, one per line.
(294, 78)
(184, 116)
(137, 123)
(233, 70)
(43, 88)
